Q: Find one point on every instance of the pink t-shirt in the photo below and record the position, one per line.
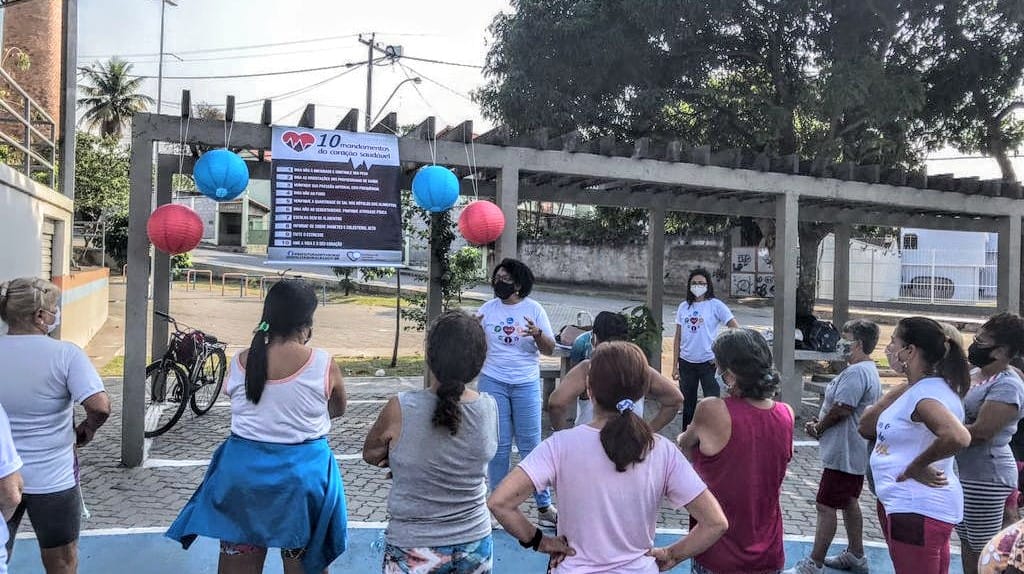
(609, 517)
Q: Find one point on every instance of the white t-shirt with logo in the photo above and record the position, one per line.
(512, 356)
(698, 326)
(10, 463)
(40, 381)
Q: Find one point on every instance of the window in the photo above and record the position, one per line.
(910, 241)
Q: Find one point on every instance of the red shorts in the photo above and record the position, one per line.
(838, 489)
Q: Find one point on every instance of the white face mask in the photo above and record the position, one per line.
(698, 290)
(56, 322)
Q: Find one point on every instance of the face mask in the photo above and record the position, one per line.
(698, 290)
(895, 363)
(845, 348)
(980, 356)
(504, 290)
(56, 322)
(723, 387)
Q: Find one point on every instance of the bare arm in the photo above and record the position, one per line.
(675, 353)
(10, 493)
(384, 430)
(950, 437)
(546, 343)
(668, 396)
(571, 386)
(711, 525)
(338, 401)
(97, 411)
(504, 503)
(837, 413)
(869, 420)
(992, 417)
(733, 324)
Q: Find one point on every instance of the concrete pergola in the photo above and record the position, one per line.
(657, 176)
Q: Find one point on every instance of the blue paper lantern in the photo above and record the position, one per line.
(221, 175)
(435, 188)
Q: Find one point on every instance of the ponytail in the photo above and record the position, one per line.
(456, 349)
(627, 438)
(618, 378)
(256, 364)
(954, 368)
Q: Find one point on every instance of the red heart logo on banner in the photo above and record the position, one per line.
(298, 141)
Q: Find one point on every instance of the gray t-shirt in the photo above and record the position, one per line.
(439, 496)
(842, 448)
(992, 461)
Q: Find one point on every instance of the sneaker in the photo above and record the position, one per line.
(845, 560)
(548, 518)
(805, 566)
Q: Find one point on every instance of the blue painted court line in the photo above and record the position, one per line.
(147, 551)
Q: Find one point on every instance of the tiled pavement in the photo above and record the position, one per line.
(120, 497)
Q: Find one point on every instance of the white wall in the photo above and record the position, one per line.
(24, 204)
(874, 271)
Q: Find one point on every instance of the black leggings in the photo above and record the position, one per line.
(690, 376)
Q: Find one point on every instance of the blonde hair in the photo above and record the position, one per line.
(21, 298)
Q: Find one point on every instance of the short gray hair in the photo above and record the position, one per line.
(863, 331)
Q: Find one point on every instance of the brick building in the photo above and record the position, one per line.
(34, 26)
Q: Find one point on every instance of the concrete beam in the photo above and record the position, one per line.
(507, 198)
(786, 256)
(656, 272)
(1009, 267)
(161, 274)
(841, 276)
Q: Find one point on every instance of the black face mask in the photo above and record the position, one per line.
(504, 290)
(980, 356)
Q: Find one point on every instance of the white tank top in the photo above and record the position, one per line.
(290, 411)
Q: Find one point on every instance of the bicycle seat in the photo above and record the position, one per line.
(211, 339)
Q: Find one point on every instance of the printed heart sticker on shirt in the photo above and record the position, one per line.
(693, 320)
(509, 329)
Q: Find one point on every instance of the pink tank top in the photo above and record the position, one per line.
(746, 478)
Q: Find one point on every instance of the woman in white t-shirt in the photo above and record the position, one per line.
(698, 320)
(41, 379)
(918, 428)
(517, 331)
(274, 483)
(613, 475)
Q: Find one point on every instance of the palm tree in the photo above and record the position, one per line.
(112, 96)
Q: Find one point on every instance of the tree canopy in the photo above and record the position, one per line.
(111, 96)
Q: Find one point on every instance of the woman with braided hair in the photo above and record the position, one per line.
(437, 443)
(612, 475)
(741, 445)
(274, 483)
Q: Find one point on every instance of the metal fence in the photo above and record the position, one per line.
(27, 134)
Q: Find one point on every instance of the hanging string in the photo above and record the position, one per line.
(432, 144)
(472, 163)
(228, 128)
(182, 138)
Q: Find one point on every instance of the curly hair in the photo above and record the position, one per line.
(1006, 330)
(746, 354)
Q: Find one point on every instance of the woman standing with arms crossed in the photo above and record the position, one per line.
(917, 430)
(517, 331)
(697, 322)
(274, 483)
(438, 501)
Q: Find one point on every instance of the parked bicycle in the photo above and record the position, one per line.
(190, 372)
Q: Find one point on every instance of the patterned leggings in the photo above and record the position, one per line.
(470, 558)
(237, 549)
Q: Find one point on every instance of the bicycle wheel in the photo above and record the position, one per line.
(166, 396)
(209, 381)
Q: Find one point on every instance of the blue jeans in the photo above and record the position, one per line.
(519, 415)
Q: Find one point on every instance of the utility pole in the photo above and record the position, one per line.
(160, 66)
(369, 80)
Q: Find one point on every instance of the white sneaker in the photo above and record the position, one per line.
(805, 566)
(845, 560)
(548, 518)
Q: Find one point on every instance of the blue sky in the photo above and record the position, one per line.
(197, 31)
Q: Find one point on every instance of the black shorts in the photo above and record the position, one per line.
(56, 517)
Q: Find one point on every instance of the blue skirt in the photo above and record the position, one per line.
(270, 495)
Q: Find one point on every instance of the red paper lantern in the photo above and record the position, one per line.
(481, 222)
(174, 229)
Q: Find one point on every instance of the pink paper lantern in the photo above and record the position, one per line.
(174, 229)
(481, 222)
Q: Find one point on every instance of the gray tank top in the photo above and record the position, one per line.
(439, 495)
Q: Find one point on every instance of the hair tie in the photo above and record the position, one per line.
(624, 406)
(263, 327)
(768, 377)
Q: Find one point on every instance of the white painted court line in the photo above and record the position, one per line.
(186, 463)
(805, 443)
(351, 402)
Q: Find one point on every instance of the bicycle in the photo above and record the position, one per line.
(190, 372)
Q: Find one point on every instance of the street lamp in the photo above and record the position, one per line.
(416, 80)
(160, 66)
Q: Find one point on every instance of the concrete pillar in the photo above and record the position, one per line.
(161, 274)
(1009, 268)
(787, 255)
(245, 221)
(507, 198)
(841, 275)
(656, 273)
(136, 305)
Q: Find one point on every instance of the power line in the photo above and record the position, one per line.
(256, 75)
(446, 63)
(229, 48)
(435, 82)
